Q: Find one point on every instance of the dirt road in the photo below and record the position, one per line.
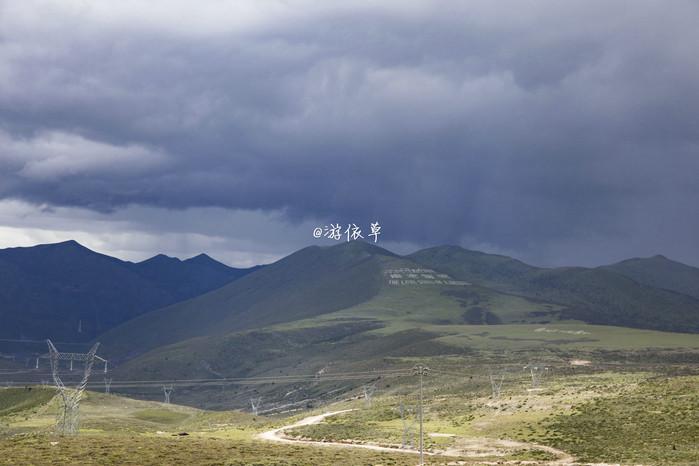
(277, 435)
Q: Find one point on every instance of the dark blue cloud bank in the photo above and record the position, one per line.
(561, 132)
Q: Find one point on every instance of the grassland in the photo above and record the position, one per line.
(14, 400)
(655, 423)
(631, 418)
(440, 310)
(391, 330)
(385, 328)
(133, 450)
(626, 417)
(123, 431)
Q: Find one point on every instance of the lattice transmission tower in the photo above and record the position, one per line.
(368, 391)
(255, 404)
(537, 371)
(496, 380)
(68, 422)
(167, 391)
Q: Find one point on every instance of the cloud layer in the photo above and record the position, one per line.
(560, 132)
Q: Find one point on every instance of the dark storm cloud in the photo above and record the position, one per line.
(519, 125)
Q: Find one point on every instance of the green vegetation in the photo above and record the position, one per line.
(398, 322)
(625, 417)
(305, 284)
(655, 423)
(661, 272)
(335, 304)
(15, 400)
(160, 416)
(138, 450)
(123, 431)
(603, 295)
(614, 393)
(380, 425)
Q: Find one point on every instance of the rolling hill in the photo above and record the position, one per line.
(67, 292)
(639, 293)
(356, 306)
(660, 272)
(310, 282)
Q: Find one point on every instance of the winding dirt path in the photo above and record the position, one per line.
(278, 435)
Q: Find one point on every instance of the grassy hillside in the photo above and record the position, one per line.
(656, 423)
(393, 328)
(602, 297)
(587, 416)
(599, 295)
(660, 272)
(308, 283)
(15, 400)
(490, 270)
(352, 307)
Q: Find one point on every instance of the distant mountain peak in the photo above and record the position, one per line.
(660, 271)
(202, 258)
(160, 259)
(649, 259)
(205, 260)
(362, 246)
(68, 244)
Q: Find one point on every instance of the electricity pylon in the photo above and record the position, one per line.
(68, 421)
(496, 383)
(167, 391)
(368, 393)
(536, 371)
(321, 372)
(107, 385)
(421, 371)
(255, 404)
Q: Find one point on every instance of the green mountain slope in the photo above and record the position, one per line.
(660, 272)
(356, 307)
(491, 270)
(308, 283)
(67, 292)
(599, 295)
(357, 276)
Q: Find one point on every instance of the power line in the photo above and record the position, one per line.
(281, 378)
(263, 380)
(242, 381)
(42, 342)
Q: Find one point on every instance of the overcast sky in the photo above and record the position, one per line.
(563, 133)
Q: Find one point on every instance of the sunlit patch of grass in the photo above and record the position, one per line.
(161, 416)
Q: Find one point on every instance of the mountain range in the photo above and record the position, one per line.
(321, 280)
(67, 292)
